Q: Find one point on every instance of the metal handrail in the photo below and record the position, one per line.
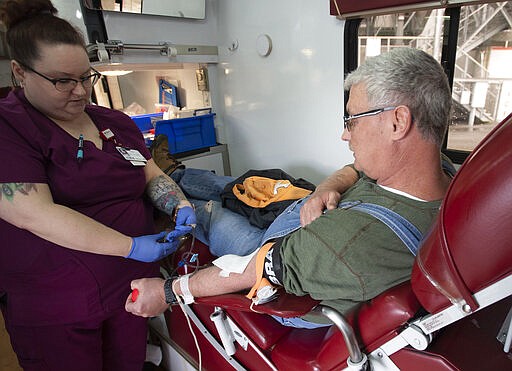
(356, 358)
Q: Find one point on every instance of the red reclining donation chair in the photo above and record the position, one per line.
(454, 314)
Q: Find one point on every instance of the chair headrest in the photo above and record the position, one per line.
(470, 245)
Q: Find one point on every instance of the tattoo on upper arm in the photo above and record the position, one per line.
(164, 193)
(9, 189)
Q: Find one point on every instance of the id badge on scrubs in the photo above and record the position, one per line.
(132, 155)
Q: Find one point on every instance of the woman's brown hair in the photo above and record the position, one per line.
(32, 22)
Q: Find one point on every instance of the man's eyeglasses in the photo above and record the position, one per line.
(65, 85)
(348, 121)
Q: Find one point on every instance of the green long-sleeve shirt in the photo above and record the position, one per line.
(347, 256)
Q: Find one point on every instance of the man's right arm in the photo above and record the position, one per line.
(205, 282)
(328, 194)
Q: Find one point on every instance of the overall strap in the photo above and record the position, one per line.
(448, 168)
(405, 230)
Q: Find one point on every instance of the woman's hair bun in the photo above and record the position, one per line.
(13, 12)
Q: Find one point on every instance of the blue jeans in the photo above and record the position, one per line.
(201, 184)
(224, 231)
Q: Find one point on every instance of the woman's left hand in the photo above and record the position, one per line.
(186, 217)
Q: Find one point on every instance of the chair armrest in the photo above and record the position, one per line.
(286, 305)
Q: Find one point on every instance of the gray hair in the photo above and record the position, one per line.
(410, 77)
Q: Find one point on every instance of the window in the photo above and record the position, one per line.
(474, 45)
(482, 85)
(422, 30)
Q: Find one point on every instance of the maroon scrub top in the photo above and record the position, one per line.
(46, 283)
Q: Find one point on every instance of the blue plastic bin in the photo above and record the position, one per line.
(144, 121)
(189, 133)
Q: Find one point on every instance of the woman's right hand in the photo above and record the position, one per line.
(154, 247)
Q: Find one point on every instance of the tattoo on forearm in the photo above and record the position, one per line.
(9, 189)
(164, 193)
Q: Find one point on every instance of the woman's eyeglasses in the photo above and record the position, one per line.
(348, 121)
(65, 85)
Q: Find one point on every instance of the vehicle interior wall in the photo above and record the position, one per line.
(285, 110)
(280, 111)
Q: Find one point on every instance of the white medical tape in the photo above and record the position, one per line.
(185, 291)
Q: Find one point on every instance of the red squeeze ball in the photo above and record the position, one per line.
(135, 294)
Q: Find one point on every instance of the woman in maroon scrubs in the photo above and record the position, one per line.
(78, 188)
